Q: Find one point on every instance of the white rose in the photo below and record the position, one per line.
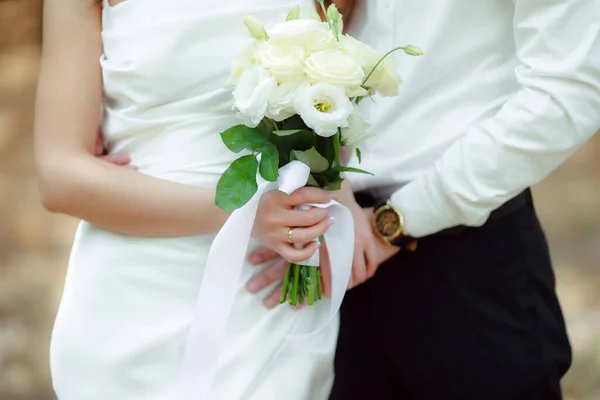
(336, 67)
(284, 59)
(252, 94)
(323, 107)
(357, 131)
(311, 35)
(385, 80)
(281, 104)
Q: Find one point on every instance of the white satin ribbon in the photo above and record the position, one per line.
(220, 282)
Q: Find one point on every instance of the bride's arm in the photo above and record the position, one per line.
(73, 181)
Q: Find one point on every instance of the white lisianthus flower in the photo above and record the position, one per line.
(385, 80)
(358, 129)
(311, 35)
(249, 56)
(324, 108)
(252, 94)
(336, 67)
(281, 104)
(284, 59)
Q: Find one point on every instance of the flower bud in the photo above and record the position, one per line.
(293, 14)
(334, 16)
(256, 28)
(413, 51)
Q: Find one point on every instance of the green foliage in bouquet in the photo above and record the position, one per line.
(277, 144)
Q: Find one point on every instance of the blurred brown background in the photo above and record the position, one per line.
(34, 245)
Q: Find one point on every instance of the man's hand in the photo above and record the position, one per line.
(270, 275)
(119, 159)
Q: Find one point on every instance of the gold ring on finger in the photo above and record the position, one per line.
(289, 235)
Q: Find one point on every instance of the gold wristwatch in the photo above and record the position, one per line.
(388, 224)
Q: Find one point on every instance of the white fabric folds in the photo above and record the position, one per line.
(221, 280)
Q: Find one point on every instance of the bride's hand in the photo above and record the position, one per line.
(277, 220)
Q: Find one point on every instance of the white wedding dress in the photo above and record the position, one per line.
(128, 302)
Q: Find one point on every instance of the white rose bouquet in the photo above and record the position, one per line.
(297, 88)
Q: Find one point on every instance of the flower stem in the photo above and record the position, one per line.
(319, 285)
(274, 124)
(294, 294)
(312, 288)
(286, 285)
(380, 61)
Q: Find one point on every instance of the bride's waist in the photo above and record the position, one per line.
(189, 151)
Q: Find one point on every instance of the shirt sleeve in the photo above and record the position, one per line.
(556, 110)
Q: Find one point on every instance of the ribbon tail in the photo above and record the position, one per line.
(218, 288)
(339, 239)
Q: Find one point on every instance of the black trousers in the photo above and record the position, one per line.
(470, 316)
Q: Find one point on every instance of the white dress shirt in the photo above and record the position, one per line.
(506, 91)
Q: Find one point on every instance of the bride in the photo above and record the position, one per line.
(157, 70)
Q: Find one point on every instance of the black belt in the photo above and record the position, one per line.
(379, 196)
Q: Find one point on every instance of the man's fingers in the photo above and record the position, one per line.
(262, 255)
(117, 158)
(266, 277)
(325, 272)
(272, 300)
(99, 146)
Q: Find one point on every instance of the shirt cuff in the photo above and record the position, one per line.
(425, 207)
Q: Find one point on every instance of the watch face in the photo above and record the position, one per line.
(387, 222)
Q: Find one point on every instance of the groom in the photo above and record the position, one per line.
(506, 92)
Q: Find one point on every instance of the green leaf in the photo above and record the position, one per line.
(269, 162)
(326, 147)
(238, 184)
(341, 168)
(336, 148)
(312, 158)
(241, 137)
(303, 140)
(358, 155)
(287, 132)
(266, 126)
(334, 185)
(312, 181)
(321, 180)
